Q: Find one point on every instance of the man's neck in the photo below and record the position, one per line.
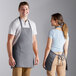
(24, 18)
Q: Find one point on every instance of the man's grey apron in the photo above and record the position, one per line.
(23, 50)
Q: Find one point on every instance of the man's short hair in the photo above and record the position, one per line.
(23, 3)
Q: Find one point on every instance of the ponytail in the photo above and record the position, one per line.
(65, 30)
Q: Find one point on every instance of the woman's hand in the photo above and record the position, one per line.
(36, 60)
(43, 63)
(12, 61)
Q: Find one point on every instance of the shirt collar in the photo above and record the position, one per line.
(24, 21)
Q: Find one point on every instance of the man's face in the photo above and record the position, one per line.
(24, 10)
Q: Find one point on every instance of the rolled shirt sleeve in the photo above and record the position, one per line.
(51, 34)
(12, 28)
(34, 29)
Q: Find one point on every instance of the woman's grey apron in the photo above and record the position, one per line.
(50, 59)
(23, 50)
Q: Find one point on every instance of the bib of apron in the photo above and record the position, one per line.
(23, 50)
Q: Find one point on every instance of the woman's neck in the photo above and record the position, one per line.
(59, 28)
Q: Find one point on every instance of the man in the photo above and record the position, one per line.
(22, 43)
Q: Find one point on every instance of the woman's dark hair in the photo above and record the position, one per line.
(59, 18)
(23, 3)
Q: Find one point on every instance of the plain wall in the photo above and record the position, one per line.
(40, 12)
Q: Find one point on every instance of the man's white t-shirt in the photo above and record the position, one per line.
(15, 28)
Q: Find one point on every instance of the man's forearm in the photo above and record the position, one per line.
(9, 48)
(35, 48)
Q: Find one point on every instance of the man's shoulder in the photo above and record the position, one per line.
(15, 21)
(32, 22)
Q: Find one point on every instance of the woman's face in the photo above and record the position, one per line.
(53, 22)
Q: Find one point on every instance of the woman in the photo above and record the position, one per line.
(57, 47)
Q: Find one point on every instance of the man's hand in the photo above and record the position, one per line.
(36, 60)
(12, 61)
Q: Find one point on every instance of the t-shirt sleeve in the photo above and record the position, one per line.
(12, 28)
(51, 34)
(34, 29)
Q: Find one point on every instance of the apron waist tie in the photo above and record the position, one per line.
(60, 57)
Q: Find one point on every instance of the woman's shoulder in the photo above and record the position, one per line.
(52, 30)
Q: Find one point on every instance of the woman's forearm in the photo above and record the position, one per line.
(66, 48)
(48, 47)
(47, 50)
(66, 52)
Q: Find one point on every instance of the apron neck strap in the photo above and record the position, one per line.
(29, 23)
(21, 22)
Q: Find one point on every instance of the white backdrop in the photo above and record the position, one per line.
(40, 12)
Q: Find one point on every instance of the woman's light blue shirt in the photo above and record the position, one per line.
(58, 40)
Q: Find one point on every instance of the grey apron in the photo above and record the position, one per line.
(50, 59)
(23, 50)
